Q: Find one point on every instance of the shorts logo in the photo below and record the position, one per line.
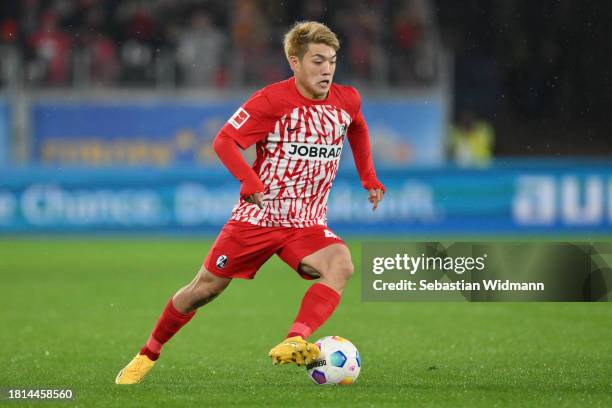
(239, 118)
(329, 234)
(221, 261)
(308, 151)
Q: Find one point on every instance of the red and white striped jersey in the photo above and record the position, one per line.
(298, 143)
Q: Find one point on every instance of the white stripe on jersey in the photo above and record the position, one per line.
(298, 168)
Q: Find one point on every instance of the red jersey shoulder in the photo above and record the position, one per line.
(279, 94)
(258, 107)
(350, 94)
(349, 97)
(278, 98)
(269, 97)
(253, 121)
(278, 88)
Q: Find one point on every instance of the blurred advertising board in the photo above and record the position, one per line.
(5, 128)
(513, 199)
(170, 133)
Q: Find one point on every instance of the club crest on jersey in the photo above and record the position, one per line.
(308, 151)
(221, 261)
(343, 129)
(239, 118)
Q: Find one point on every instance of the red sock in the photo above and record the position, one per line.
(170, 321)
(318, 304)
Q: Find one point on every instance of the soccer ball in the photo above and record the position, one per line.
(338, 363)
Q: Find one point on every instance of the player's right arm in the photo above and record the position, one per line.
(251, 187)
(248, 125)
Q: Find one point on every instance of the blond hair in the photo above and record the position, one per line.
(305, 32)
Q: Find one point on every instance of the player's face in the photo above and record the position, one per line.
(315, 71)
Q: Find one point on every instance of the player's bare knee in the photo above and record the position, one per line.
(343, 269)
(211, 289)
(206, 287)
(338, 274)
(205, 293)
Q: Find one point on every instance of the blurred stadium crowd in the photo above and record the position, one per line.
(537, 71)
(209, 43)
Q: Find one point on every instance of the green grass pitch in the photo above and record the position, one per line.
(74, 311)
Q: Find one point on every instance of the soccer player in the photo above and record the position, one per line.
(299, 126)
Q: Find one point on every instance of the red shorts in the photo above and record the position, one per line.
(242, 248)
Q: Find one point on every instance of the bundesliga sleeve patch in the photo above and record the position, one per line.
(239, 118)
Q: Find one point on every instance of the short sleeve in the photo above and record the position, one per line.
(252, 122)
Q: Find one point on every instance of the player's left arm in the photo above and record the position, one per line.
(359, 140)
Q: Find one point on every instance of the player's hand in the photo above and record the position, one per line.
(256, 198)
(376, 196)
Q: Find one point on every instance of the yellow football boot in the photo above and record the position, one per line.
(134, 372)
(294, 350)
